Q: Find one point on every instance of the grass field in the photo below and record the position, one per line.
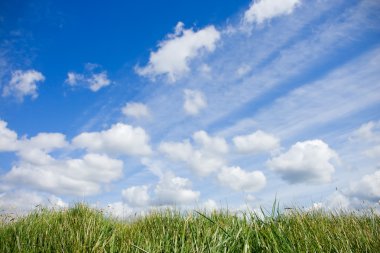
(82, 229)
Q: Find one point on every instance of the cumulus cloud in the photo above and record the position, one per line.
(175, 53)
(8, 138)
(206, 157)
(78, 177)
(118, 210)
(368, 187)
(369, 132)
(119, 139)
(136, 110)
(256, 142)
(209, 144)
(93, 78)
(208, 205)
(136, 195)
(195, 101)
(308, 161)
(337, 201)
(240, 180)
(172, 190)
(22, 202)
(262, 10)
(23, 83)
(35, 150)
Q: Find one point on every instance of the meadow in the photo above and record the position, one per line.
(83, 229)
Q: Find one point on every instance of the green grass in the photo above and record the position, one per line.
(82, 229)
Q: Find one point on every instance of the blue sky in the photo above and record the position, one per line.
(133, 106)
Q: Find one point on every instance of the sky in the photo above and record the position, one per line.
(131, 106)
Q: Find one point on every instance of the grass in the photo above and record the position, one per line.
(82, 229)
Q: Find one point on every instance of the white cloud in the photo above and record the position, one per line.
(137, 110)
(137, 195)
(23, 83)
(119, 139)
(45, 141)
(98, 81)
(8, 138)
(369, 131)
(208, 205)
(195, 101)
(172, 190)
(308, 161)
(243, 69)
(262, 10)
(203, 160)
(74, 78)
(79, 177)
(119, 210)
(93, 78)
(175, 53)
(22, 202)
(256, 142)
(337, 201)
(368, 187)
(213, 145)
(35, 150)
(241, 180)
(373, 152)
(38, 169)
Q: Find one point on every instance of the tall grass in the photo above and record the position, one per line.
(82, 229)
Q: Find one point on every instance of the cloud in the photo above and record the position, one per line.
(38, 169)
(240, 180)
(337, 201)
(210, 145)
(368, 187)
(172, 190)
(23, 83)
(308, 161)
(256, 142)
(8, 138)
(119, 139)
(243, 70)
(136, 110)
(205, 158)
(78, 177)
(118, 210)
(93, 78)
(373, 152)
(35, 150)
(21, 202)
(137, 195)
(369, 132)
(194, 101)
(262, 10)
(208, 206)
(175, 53)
